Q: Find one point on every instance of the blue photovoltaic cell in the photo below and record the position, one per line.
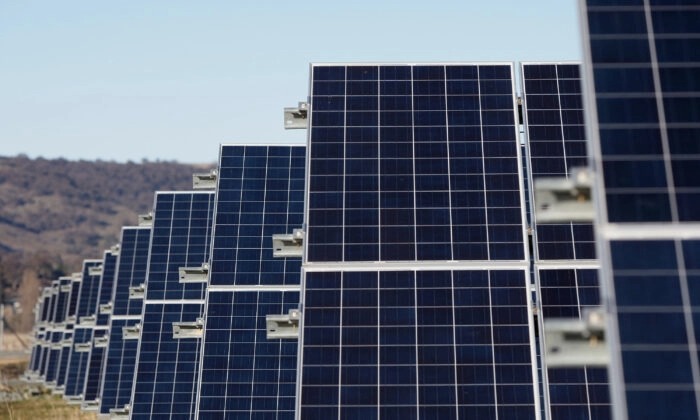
(243, 374)
(657, 296)
(109, 266)
(131, 272)
(553, 110)
(413, 162)
(648, 107)
(66, 343)
(644, 60)
(260, 193)
(180, 238)
(574, 393)
(119, 365)
(410, 344)
(86, 306)
(93, 372)
(166, 368)
(77, 363)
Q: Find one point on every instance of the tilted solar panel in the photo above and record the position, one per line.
(243, 373)
(166, 366)
(119, 364)
(556, 144)
(93, 376)
(82, 333)
(416, 276)
(643, 66)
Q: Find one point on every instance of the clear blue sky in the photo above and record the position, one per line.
(170, 80)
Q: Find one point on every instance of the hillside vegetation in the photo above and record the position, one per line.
(55, 213)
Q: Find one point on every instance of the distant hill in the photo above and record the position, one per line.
(55, 213)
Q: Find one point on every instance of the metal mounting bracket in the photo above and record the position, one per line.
(205, 180)
(83, 347)
(565, 199)
(90, 405)
(145, 219)
(288, 245)
(131, 333)
(296, 117)
(106, 309)
(101, 342)
(87, 321)
(283, 326)
(194, 274)
(188, 329)
(576, 342)
(95, 270)
(137, 292)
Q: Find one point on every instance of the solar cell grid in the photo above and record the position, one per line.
(410, 344)
(379, 188)
(131, 272)
(556, 141)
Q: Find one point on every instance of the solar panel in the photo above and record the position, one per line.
(166, 367)
(243, 374)
(643, 67)
(93, 376)
(119, 365)
(414, 163)
(416, 276)
(67, 339)
(556, 143)
(82, 334)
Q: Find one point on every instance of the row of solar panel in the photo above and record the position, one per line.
(441, 324)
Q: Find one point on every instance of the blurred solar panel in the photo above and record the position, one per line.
(243, 373)
(644, 95)
(166, 366)
(119, 365)
(416, 169)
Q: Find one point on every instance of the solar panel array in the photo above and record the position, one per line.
(565, 265)
(416, 286)
(166, 366)
(243, 374)
(643, 72)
